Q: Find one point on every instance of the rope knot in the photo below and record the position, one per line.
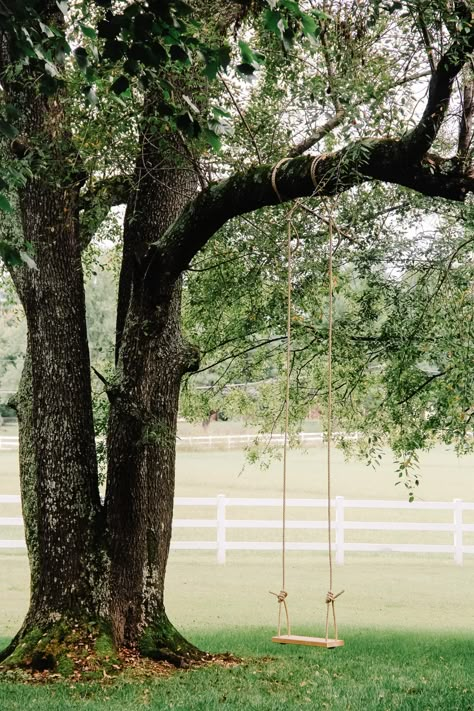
(330, 597)
(281, 596)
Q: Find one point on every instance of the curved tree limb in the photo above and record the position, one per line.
(362, 161)
(421, 138)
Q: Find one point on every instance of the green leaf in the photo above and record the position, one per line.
(132, 67)
(211, 68)
(213, 139)
(63, 6)
(292, 6)
(114, 50)
(7, 129)
(91, 95)
(191, 104)
(46, 30)
(10, 255)
(220, 113)
(178, 54)
(48, 85)
(29, 261)
(249, 55)
(246, 53)
(5, 204)
(120, 85)
(188, 125)
(310, 26)
(12, 112)
(88, 31)
(271, 20)
(107, 29)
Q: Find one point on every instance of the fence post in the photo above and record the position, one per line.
(339, 530)
(221, 502)
(458, 543)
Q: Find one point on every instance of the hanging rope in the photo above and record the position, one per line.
(282, 595)
(330, 596)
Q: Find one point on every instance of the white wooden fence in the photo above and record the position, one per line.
(220, 523)
(225, 441)
(8, 442)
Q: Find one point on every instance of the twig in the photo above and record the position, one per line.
(244, 120)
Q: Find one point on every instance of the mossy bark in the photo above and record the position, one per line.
(161, 641)
(152, 357)
(64, 647)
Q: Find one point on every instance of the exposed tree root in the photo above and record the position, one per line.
(66, 648)
(84, 651)
(161, 641)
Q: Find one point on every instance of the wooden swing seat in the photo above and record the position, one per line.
(308, 641)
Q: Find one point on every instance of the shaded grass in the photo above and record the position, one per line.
(384, 670)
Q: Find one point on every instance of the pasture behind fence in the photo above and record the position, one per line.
(220, 523)
(227, 441)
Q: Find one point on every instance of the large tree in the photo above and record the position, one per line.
(97, 565)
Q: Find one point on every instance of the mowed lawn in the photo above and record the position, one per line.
(388, 671)
(407, 620)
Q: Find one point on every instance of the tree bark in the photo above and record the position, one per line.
(60, 494)
(152, 358)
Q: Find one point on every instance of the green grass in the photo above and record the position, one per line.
(383, 670)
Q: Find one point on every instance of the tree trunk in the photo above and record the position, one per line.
(59, 482)
(152, 358)
(66, 487)
(140, 491)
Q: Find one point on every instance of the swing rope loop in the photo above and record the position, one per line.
(282, 595)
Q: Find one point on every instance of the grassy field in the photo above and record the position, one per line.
(384, 672)
(383, 591)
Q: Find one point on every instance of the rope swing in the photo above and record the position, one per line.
(288, 638)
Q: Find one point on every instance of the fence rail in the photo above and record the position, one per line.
(8, 442)
(226, 441)
(221, 523)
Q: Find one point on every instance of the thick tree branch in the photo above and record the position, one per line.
(467, 113)
(420, 139)
(365, 160)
